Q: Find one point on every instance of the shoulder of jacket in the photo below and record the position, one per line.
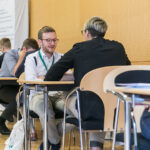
(12, 52)
(113, 42)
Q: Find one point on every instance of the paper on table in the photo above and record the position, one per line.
(138, 98)
(135, 85)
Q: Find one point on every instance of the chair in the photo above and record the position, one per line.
(93, 82)
(127, 74)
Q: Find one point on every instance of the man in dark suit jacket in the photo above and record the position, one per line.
(93, 53)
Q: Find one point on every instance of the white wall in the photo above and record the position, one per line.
(14, 22)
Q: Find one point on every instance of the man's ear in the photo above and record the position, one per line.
(23, 48)
(88, 35)
(39, 42)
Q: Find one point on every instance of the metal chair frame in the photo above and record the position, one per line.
(93, 81)
(109, 86)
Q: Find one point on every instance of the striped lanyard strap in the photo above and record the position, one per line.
(44, 61)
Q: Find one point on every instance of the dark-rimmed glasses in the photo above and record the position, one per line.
(51, 40)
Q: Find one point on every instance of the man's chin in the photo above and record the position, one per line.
(51, 51)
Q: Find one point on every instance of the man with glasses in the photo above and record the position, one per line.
(85, 56)
(36, 66)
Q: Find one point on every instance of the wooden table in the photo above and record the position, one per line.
(8, 81)
(45, 86)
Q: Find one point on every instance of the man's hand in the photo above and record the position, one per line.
(41, 77)
(22, 53)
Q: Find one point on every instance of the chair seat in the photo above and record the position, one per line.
(86, 125)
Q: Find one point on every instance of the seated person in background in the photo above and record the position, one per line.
(5, 45)
(31, 47)
(8, 92)
(93, 53)
(36, 66)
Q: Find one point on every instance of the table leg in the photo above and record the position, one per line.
(25, 117)
(127, 135)
(45, 119)
(79, 117)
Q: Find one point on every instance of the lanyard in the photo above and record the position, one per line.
(44, 61)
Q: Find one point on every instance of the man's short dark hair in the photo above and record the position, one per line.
(30, 43)
(5, 42)
(44, 29)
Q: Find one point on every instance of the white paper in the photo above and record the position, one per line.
(135, 85)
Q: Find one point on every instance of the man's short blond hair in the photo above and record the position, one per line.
(96, 26)
(5, 43)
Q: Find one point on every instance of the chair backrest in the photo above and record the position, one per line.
(93, 81)
(109, 82)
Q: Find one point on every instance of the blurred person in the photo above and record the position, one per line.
(36, 66)
(30, 45)
(94, 52)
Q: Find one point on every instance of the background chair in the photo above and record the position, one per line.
(93, 82)
(122, 75)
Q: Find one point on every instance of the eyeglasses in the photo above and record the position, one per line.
(51, 40)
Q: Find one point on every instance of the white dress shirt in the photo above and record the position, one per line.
(34, 69)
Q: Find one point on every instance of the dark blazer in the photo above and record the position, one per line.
(84, 57)
(88, 55)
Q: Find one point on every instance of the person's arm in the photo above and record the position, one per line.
(66, 62)
(30, 69)
(20, 69)
(21, 57)
(127, 60)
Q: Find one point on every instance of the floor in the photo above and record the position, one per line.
(35, 144)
